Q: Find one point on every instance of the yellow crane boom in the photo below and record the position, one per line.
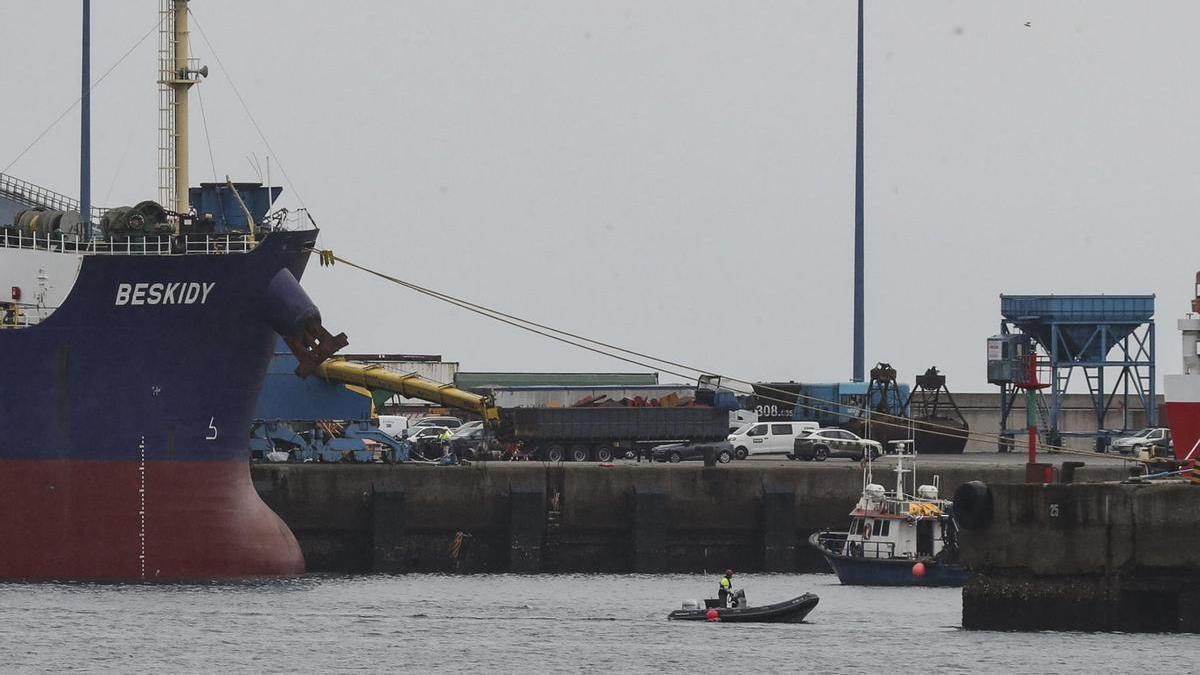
(410, 385)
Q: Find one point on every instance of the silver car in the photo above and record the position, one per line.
(1126, 445)
(825, 443)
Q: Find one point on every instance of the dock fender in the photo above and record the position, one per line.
(287, 307)
(972, 505)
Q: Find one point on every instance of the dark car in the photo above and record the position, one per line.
(824, 443)
(472, 443)
(679, 452)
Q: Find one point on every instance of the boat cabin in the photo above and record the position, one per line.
(898, 528)
(908, 522)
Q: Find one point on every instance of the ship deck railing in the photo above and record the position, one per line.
(839, 543)
(871, 549)
(900, 506)
(166, 244)
(12, 317)
(36, 196)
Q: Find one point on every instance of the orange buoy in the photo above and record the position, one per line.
(919, 570)
(713, 615)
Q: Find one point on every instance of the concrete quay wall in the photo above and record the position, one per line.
(534, 517)
(1085, 557)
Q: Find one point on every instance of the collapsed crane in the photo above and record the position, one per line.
(578, 433)
(411, 385)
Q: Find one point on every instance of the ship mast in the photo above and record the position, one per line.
(177, 74)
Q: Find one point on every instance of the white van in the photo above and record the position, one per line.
(393, 425)
(769, 438)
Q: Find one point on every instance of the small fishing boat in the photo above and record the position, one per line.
(789, 611)
(900, 538)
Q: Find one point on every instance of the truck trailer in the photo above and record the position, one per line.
(602, 433)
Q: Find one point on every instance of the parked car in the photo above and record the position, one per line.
(680, 452)
(416, 433)
(472, 441)
(825, 443)
(473, 424)
(768, 438)
(425, 440)
(1142, 440)
(438, 421)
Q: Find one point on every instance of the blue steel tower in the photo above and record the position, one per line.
(1088, 334)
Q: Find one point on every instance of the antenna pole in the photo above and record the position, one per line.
(85, 124)
(858, 214)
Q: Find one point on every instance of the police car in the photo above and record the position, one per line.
(825, 443)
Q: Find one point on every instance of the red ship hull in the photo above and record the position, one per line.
(129, 520)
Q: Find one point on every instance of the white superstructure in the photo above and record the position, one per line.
(35, 282)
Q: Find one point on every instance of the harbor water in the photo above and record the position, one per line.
(513, 623)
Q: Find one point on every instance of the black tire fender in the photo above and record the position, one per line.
(972, 505)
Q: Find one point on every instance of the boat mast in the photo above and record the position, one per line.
(176, 77)
(901, 452)
(85, 126)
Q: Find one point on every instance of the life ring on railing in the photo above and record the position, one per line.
(866, 531)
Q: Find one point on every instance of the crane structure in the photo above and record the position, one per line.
(372, 377)
(1098, 335)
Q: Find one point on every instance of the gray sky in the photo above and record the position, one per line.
(675, 177)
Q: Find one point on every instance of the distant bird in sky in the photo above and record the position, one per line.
(1028, 24)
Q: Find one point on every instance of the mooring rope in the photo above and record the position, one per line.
(327, 257)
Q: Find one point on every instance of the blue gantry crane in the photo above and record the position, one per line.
(1109, 338)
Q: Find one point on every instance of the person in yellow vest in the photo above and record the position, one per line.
(726, 588)
(444, 441)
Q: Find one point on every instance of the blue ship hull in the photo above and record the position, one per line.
(125, 416)
(862, 571)
(886, 572)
